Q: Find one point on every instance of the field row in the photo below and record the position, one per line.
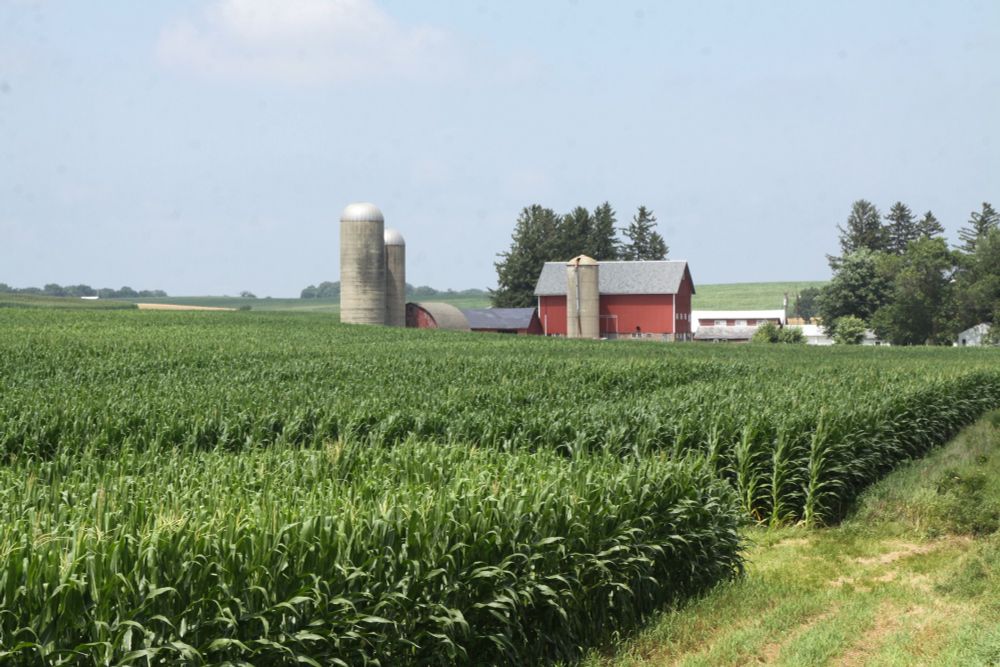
(272, 488)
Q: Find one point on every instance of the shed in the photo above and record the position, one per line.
(504, 320)
(435, 315)
(974, 336)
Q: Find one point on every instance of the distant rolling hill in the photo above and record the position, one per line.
(298, 305)
(728, 296)
(748, 296)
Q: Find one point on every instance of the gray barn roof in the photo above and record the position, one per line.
(649, 277)
(499, 318)
(724, 333)
(445, 315)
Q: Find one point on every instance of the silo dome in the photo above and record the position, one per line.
(392, 237)
(362, 212)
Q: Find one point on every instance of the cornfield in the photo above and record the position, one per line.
(250, 488)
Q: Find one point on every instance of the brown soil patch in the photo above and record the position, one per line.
(903, 550)
(769, 652)
(177, 306)
(886, 622)
(793, 542)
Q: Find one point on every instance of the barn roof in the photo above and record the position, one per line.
(445, 315)
(644, 277)
(724, 333)
(499, 318)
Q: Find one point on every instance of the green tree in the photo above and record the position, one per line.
(900, 228)
(928, 227)
(859, 288)
(604, 240)
(536, 240)
(791, 335)
(917, 309)
(576, 234)
(768, 332)
(644, 242)
(864, 231)
(850, 330)
(806, 303)
(980, 224)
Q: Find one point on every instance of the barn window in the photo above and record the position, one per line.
(741, 323)
(720, 323)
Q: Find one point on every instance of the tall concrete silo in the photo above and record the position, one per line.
(362, 265)
(395, 279)
(583, 298)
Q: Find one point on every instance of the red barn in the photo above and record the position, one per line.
(646, 299)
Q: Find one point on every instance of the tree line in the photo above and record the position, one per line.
(331, 290)
(542, 235)
(54, 289)
(896, 275)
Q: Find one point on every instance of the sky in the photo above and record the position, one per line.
(209, 147)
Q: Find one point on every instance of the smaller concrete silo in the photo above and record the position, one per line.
(583, 298)
(395, 279)
(362, 265)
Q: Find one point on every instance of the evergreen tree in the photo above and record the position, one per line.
(644, 242)
(604, 241)
(980, 224)
(576, 234)
(900, 228)
(864, 231)
(805, 303)
(929, 227)
(536, 240)
(977, 283)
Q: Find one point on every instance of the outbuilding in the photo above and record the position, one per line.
(737, 318)
(523, 321)
(435, 315)
(974, 336)
(645, 299)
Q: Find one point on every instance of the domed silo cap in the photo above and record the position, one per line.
(582, 260)
(392, 237)
(362, 212)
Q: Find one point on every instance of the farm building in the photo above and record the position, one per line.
(504, 320)
(732, 326)
(435, 315)
(736, 318)
(973, 336)
(815, 335)
(649, 299)
(713, 334)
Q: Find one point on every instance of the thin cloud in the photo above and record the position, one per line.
(306, 42)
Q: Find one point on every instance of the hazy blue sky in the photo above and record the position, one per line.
(208, 147)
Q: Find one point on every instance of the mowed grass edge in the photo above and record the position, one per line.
(911, 577)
